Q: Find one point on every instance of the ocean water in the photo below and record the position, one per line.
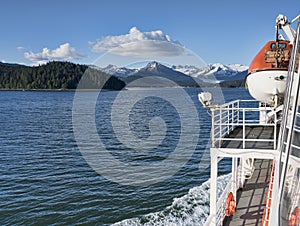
(47, 178)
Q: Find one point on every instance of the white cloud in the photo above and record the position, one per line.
(139, 44)
(63, 52)
(20, 48)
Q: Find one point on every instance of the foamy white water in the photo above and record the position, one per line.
(190, 209)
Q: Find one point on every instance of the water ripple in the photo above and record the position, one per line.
(46, 181)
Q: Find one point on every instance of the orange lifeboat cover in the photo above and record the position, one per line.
(261, 61)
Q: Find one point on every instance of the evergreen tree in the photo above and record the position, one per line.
(55, 75)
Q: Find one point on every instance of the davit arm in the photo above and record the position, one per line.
(283, 24)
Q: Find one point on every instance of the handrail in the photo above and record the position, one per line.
(220, 215)
(226, 117)
(221, 204)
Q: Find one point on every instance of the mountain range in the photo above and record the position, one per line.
(66, 75)
(182, 75)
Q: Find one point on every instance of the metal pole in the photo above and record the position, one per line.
(244, 129)
(213, 186)
(293, 116)
(213, 127)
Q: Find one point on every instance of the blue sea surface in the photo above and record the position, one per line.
(46, 180)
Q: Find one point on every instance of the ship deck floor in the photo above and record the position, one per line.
(251, 200)
(251, 132)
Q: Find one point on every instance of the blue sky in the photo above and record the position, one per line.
(223, 31)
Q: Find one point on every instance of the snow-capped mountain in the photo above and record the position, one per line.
(155, 74)
(210, 74)
(121, 72)
(153, 67)
(214, 72)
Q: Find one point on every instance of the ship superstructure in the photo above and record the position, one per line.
(261, 137)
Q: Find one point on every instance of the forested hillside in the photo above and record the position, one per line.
(54, 75)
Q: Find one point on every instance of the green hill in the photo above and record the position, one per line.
(55, 75)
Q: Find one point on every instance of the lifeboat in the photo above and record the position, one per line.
(267, 72)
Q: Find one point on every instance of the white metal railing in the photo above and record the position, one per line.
(232, 185)
(222, 204)
(226, 117)
(220, 215)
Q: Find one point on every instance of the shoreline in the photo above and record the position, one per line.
(59, 90)
(106, 90)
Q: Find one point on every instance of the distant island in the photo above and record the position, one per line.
(57, 75)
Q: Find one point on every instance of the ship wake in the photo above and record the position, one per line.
(190, 209)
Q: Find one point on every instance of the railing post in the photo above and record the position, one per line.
(228, 119)
(221, 130)
(275, 131)
(233, 116)
(238, 112)
(234, 176)
(242, 172)
(212, 127)
(244, 129)
(213, 186)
